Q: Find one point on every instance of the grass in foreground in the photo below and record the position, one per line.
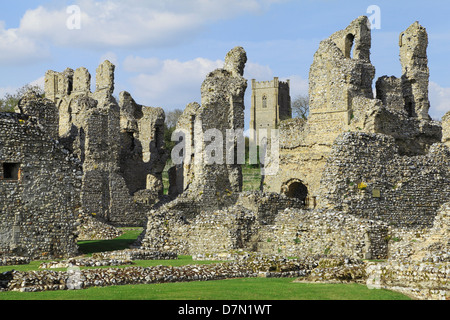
(235, 289)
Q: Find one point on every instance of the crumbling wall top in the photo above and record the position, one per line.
(356, 37)
(235, 61)
(105, 77)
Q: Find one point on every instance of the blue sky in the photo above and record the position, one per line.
(164, 49)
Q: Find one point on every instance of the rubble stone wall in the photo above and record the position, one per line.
(365, 176)
(119, 143)
(38, 202)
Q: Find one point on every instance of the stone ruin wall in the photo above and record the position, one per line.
(40, 202)
(188, 227)
(267, 223)
(221, 109)
(367, 177)
(118, 142)
(341, 100)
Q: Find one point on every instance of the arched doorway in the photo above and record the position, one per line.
(296, 189)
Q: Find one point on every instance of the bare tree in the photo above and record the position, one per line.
(172, 117)
(300, 107)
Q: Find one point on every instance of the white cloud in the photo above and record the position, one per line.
(298, 86)
(132, 23)
(113, 24)
(257, 72)
(17, 48)
(139, 64)
(173, 84)
(111, 56)
(439, 100)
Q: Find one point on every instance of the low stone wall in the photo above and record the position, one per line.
(83, 262)
(13, 261)
(257, 223)
(301, 233)
(45, 280)
(425, 281)
(135, 254)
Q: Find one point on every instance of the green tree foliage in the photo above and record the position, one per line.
(9, 102)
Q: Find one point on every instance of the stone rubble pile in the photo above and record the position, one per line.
(83, 262)
(90, 228)
(13, 261)
(135, 254)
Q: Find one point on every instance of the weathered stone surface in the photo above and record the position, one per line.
(446, 129)
(341, 100)
(413, 57)
(120, 144)
(40, 184)
(221, 109)
(410, 189)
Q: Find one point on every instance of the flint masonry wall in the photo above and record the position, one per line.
(302, 233)
(206, 173)
(119, 144)
(40, 185)
(266, 223)
(341, 100)
(366, 177)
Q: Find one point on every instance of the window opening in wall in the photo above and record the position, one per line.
(409, 109)
(11, 171)
(349, 45)
(264, 102)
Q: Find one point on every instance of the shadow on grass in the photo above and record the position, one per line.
(123, 242)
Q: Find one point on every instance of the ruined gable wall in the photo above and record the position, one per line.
(336, 78)
(40, 208)
(413, 57)
(366, 177)
(204, 174)
(142, 139)
(340, 90)
(341, 100)
(116, 143)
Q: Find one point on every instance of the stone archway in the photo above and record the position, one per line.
(295, 189)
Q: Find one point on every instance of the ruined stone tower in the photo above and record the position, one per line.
(119, 143)
(342, 100)
(204, 171)
(271, 103)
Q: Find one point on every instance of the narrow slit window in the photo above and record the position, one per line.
(264, 102)
(11, 171)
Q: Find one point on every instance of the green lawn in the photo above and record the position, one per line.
(234, 289)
